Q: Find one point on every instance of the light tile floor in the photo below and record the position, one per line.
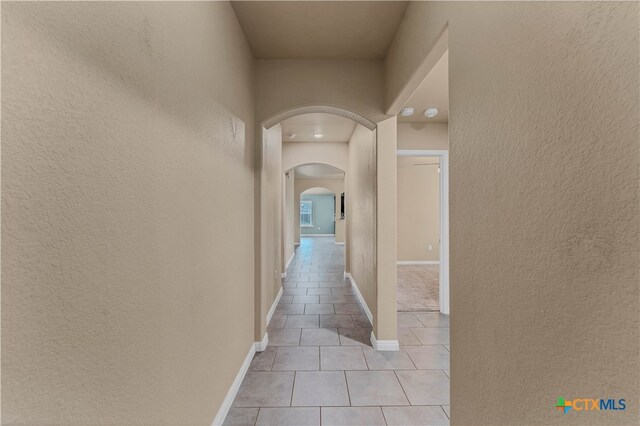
(320, 368)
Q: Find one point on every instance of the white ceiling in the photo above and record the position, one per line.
(317, 191)
(334, 128)
(318, 171)
(432, 92)
(319, 29)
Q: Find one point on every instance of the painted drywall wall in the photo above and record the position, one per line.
(300, 153)
(425, 136)
(544, 172)
(386, 187)
(288, 215)
(271, 230)
(334, 185)
(418, 209)
(125, 285)
(323, 206)
(352, 85)
(360, 213)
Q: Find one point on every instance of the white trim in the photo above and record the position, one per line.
(444, 218)
(418, 262)
(421, 153)
(360, 298)
(339, 244)
(379, 345)
(275, 119)
(289, 263)
(262, 345)
(384, 345)
(273, 306)
(233, 390)
(284, 274)
(317, 235)
(444, 233)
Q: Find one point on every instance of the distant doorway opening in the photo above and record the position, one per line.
(423, 231)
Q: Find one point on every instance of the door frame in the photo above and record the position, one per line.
(444, 219)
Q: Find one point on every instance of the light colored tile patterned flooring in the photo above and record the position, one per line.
(320, 368)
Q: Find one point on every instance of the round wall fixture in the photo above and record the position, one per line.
(430, 112)
(407, 112)
(291, 135)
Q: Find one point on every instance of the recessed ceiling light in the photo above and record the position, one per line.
(317, 135)
(407, 112)
(430, 112)
(291, 135)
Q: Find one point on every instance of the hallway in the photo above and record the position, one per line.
(320, 368)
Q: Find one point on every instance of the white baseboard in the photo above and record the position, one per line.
(339, 244)
(418, 262)
(289, 263)
(262, 345)
(384, 345)
(317, 235)
(273, 305)
(360, 298)
(231, 395)
(379, 345)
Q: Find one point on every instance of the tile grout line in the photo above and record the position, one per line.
(293, 387)
(383, 416)
(346, 382)
(412, 361)
(274, 358)
(365, 359)
(445, 412)
(257, 415)
(402, 387)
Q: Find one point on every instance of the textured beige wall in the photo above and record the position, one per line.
(386, 247)
(300, 153)
(423, 136)
(544, 173)
(353, 85)
(417, 36)
(289, 208)
(360, 213)
(271, 230)
(334, 185)
(126, 297)
(269, 243)
(418, 209)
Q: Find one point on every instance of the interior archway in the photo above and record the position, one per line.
(324, 212)
(310, 177)
(280, 155)
(277, 118)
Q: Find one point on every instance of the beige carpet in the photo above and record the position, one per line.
(418, 288)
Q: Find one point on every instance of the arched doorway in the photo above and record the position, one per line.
(275, 166)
